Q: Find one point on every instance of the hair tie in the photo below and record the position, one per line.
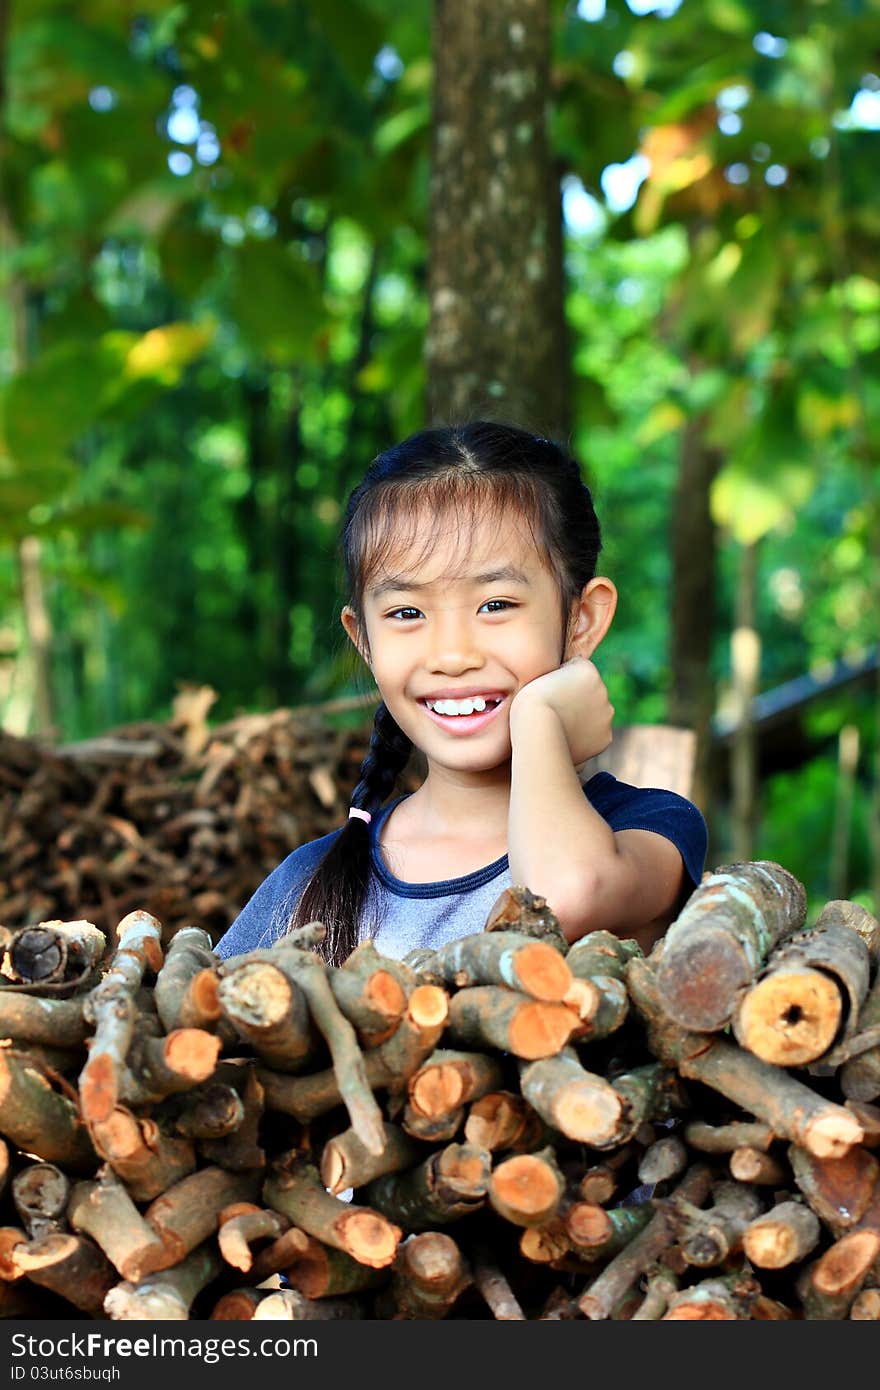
(356, 811)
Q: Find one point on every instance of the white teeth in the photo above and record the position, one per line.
(469, 706)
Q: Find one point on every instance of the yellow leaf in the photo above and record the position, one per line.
(661, 420)
(164, 352)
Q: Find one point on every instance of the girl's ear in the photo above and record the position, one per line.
(592, 617)
(350, 623)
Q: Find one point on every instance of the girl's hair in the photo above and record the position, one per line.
(465, 474)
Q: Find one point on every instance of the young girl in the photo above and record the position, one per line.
(470, 555)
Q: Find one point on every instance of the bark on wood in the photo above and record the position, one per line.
(450, 1184)
(449, 1079)
(146, 1160)
(493, 1285)
(661, 1287)
(494, 1016)
(809, 995)
(39, 1119)
(577, 1102)
(504, 958)
(187, 1213)
(239, 1305)
(111, 1008)
(320, 1271)
(860, 1077)
(346, 1162)
(159, 1067)
(167, 1296)
(791, 1109)
(190, 951)
(104, 1210)
(606, 1292)
(662, 1160)
(239, 1229)
(527, 1189)
(295, 1189)
(868, 1117)
(388, 1065)
(714, 949)
(723, 1139)
(310, 974)
(40, 1193)
(288, 1305)
(70, 1266)
(598, 960)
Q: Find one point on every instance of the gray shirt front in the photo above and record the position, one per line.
(411, 915)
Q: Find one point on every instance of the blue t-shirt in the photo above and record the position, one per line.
(430, 914)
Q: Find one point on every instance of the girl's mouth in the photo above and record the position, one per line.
(464, 723)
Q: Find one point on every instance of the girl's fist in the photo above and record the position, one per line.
(578, 695)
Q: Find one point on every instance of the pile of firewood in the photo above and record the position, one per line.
(506, 1127)
(177, 819)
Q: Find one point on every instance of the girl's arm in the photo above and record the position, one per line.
(630, 882)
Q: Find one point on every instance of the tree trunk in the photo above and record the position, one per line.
(692, 606)
(497, 331)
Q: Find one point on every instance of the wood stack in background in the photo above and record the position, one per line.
(529, 1131)
(178, 819)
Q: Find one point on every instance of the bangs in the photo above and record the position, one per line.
(400, 525)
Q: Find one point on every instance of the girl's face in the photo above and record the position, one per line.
(488, 631)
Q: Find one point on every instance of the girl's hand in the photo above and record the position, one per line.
(577, 694)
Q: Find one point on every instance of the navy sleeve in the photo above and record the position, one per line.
(625, 807)
(263, 918)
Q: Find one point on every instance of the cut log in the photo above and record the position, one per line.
(295, 1189)
(496, 1017)
(839, 1191)
(527, 1189)
(846, 1264)
(714, 1300)
(577, 1102)
(439, 1131)
(104, 1210)
(54, 1022)
(519, 910)
(38, 1118)
(212, 1112)
(320, 1271)
(269, 1011)
(449, 1079)
(111, 1008)
(782, 1236)
(167, 1296)
(723, 1139)
(662, 1160)
(809, 995)
(40, 1193)
(495, 1289)
(715, 948)
(450, 1184)
(346, 1162)
(187, 1213)
(503, 1121)
(288, 1305)
(146, 1160)
(369, 994)
(521, 963)
(243, 1224)
(429, 1275)
(707, 1238)
(239, 1305)
(660, 1288)
(240, 1151)
(860, 1077)
(160, 1067)
(70, 1266)
(190, 951)
(866, 1306)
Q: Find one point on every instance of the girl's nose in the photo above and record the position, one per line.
(454, 646)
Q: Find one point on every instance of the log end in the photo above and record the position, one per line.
(699, 979)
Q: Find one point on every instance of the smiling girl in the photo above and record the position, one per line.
(470, 556)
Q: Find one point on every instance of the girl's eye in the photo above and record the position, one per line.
(505, 603)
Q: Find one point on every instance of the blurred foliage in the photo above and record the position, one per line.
(213, 231)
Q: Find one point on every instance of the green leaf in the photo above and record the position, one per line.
(276, 301)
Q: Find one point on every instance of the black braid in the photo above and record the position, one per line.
(336, 892)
